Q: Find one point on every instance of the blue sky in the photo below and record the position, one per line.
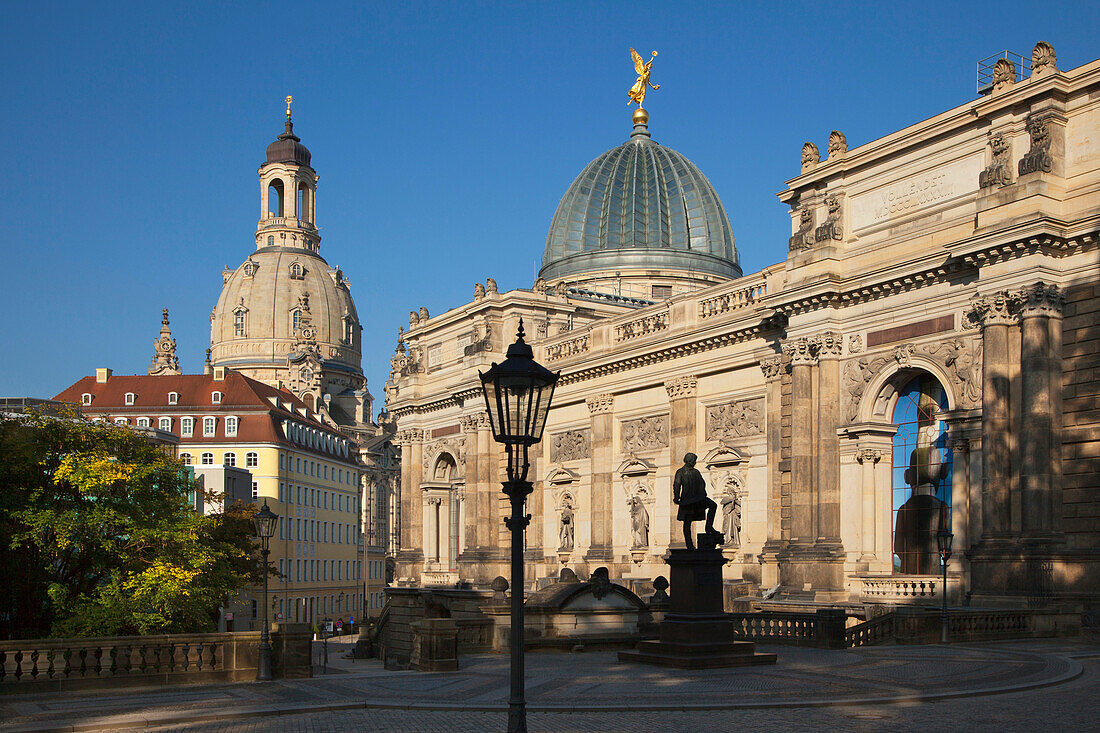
(444, 135)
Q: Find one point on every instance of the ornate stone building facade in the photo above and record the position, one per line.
(924, 357)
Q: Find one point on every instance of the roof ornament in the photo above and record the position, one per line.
(288, 133)
(641, 86)
(164, 350)
(289, 101)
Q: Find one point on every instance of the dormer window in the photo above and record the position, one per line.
(86, 398)
(130, 397)
(209, 427)
(240, 317)
(187, 427)
(297, 272)
(296, 320)
(173, 398)
(166, 424)
(249, 268)
(231, 427)
(216, 398)
(143, 422)
(121, 421)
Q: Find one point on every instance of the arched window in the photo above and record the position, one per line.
(238, 323)
(229, 459)
(270, 240)
(295, 320)
(297, 272)
(922, 469)
(143, 422)
(86, 398)
(444, 468)
(275, 198)
(207, 459)
(251, 460)
(185, 459)
(173, 398)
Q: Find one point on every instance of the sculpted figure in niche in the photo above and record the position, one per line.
(639, 522)
(565, 529)
(689, 493)
(731, 518)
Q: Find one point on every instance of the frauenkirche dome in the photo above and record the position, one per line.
(640, 206)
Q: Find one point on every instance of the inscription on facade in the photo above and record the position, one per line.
(921, 191)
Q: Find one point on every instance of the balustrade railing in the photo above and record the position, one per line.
(776, 627)
(641, 326)
(727, 302)
(901, 588)
(876, 631)
(565, 349)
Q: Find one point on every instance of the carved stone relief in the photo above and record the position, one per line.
(645, 433)
(1004, 74)
(804, 237)
(456, 446)
(1038, 158)
(999, 172)
(811, 156)
(736, 419)
(833, 228)
(571, 445)
(838, 144)
(855, 343)
(1043, 60)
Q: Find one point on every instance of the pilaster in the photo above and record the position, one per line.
(600, 410)
(682, 401)
(778, 528)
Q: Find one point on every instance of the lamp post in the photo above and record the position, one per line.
(944, 539)
(265, 522)
(517, 397)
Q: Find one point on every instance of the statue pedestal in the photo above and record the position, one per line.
(695, 632)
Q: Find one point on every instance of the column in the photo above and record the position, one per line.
(960, 498)
(802, 356)
(1037, 360)
(600, 409)
(827, 497)
(995, 315)
(682, 401)
(773, 404)
(470, 504)
(411, 534)
(868, 457)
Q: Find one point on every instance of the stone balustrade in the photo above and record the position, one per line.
(647, 324)
(567, 348)
(119, 661)
(900, 588)
(732, 300)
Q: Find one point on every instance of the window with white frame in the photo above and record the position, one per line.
(231, 427)
(165, 423)
(121, 421)
(216, 398)
(187, 427)
(185, 459)
(130, 397)
(207, 459)
(238, 323)
(143, 422)
(251, 459)
(209, 426)
(229, 459)
(173, 398)
(86, 398)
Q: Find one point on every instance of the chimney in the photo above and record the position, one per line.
(219, 374)
(102, 374)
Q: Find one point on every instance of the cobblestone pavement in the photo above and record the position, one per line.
(997, 687)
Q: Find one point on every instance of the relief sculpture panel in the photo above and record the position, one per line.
(571, 445)
(645, 433)
(736, 419)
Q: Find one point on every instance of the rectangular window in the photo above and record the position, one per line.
(143, 422)
(255, 491)
(166, 424)
(281, 567)
(282, 461)
(326, 472)
(251, 459)
(173, 398)
(231, 427)
(187, 427)
(209, 427)
(662, 292)
(281, 491)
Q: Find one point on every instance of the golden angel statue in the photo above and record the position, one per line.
(637, 92)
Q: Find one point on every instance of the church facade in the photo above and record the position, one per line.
(924, 357)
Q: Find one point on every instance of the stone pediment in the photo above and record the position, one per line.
(725, 455)
(559, 476)
(635, 466)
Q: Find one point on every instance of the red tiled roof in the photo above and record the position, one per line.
(246, 398)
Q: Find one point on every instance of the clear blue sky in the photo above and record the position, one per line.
(444, 135)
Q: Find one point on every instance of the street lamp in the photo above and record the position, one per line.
(265, 522)
(943, 540)
(517, 397)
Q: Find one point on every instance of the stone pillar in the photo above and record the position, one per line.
(802, 355)
(682, 401)
(960, 499)
(827, 396)
(432, 531)
(995, 315)
(471, 501)
(868, 457)
(778, 533)
(600, 409)
(411, 552)
(1037, 365)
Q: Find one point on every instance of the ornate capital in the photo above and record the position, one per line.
(601, 404)
(801, 352)
(828, 343)
(1040, 299)
(995, 309)
(772, 366)
(434, 501)
(871, 455)
(409, 436)
(681, 387)
(468, 423)
(483, 421)
(959, 445)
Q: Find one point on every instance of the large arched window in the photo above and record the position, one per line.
(303, 202)
(275, 198)
(295, 320)
(444, 468)
(922, 468)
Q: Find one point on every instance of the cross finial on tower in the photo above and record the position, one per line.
(289, 101)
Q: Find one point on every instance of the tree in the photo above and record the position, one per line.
(100, 538)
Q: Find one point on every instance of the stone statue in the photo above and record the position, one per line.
(479, 291)
(413, 319)
(689, 492)
(731, 519)
(639, 522)
(565, 531)
(637, 92)
(490, 286)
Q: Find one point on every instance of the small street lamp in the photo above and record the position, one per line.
(265, 522)
(944, 539)
(517, 397)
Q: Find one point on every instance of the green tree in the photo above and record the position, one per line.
(99, 537)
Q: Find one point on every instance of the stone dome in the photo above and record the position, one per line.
(267, 289)
(640, 206)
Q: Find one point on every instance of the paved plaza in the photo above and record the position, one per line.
(1033, 685)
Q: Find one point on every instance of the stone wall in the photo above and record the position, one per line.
(405, 607)
(1081, 417)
